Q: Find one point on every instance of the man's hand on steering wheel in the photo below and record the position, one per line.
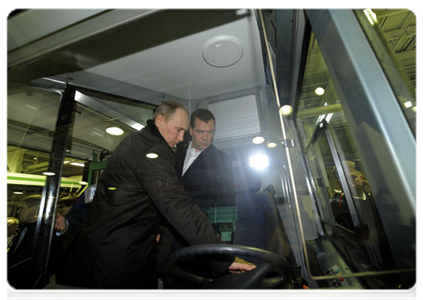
(240, 266)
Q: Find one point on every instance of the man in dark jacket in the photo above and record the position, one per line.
(137, 190)
(205, 171)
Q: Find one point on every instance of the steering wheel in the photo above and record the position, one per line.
(248, 280)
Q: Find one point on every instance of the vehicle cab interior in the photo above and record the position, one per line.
(316, 108)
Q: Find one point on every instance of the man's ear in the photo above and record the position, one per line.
(159, 120)
(190, 130)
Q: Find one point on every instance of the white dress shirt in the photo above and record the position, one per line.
(190, 157)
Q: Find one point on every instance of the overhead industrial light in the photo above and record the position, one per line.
(49, 173)
(114, 131)
(259, 161)
(286, 110)
(319, 91)
(18, 193)
(83, 182)
(77, 164)
(258, 140)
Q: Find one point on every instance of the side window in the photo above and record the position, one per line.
(348, 212)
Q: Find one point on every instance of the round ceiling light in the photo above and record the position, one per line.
(319, 91)
(114, 131)
(258, 140)
(286, 110)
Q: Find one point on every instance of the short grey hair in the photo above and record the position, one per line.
(167, 109)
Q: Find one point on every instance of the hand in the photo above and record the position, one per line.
(240, 266)
(158, 238)
(60, 224)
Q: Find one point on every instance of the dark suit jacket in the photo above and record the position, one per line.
(209, 180)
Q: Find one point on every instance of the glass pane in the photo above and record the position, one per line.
(346, 205)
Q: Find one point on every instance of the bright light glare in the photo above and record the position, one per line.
(319, 91)
(258, 140)
(138, 126)
(286, 110)
(408, 104)
(49, 173)
(152, 155)
(259, 161)
(371, 16)
(114, 131)
(271, 145)
(328, 117)
(77, 164)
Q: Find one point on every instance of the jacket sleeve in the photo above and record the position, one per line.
(167, 194)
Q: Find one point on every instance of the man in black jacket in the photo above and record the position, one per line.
(136, 192)
(205, 171)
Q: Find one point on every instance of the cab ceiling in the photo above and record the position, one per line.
(189, 54)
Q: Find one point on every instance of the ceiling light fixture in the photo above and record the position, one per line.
(49, 173)
(271, 144)
(77, 164)
(286, 110)
(114, 131)
(258, 140)
(319, 91)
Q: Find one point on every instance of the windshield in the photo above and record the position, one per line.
(311, 186)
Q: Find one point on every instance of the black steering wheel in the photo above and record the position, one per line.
(248, 280)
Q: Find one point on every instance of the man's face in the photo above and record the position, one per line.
(173, 129)
(26, 214)
(202, 134)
